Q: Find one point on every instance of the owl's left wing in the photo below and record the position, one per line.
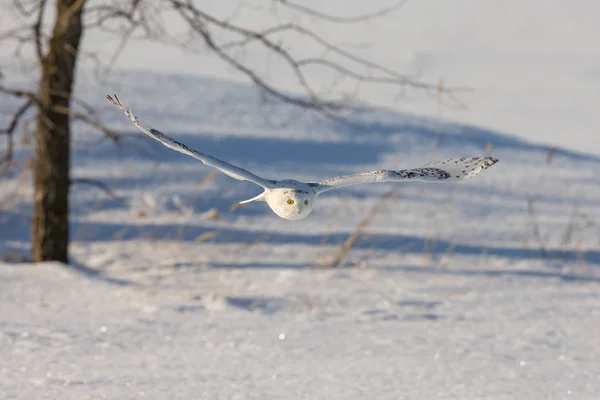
(453, 169)
(228, 169)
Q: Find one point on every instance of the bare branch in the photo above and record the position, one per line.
(100, 185)
(22, 8)
(360, 77)
(20, 93)
(37, 31)
(359, 69)
(16, 117)
(6, 159)
(139, 15)
(32, 99)
(144, 17)
(90, 120)
(334, 18)
(334, 49)
(18, 33)
(122, 43)
(29, 32)
(198, 23)
(345, 248)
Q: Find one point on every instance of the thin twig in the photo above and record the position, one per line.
(199, 25)
(16, 117)
(535, 227)
(334, 18)
(250, 36)
(90, 120)
(20, 93)
(100, 185)
(6, 160)
(356, 234)
(37, 31)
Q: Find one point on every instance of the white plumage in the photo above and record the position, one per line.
(294, 200)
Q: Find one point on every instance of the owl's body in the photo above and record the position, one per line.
(294, 200)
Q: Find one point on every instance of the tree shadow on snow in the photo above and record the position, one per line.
(406, 244)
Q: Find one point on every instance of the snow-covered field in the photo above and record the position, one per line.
(287, 332)
(488, 289)
(532, 65)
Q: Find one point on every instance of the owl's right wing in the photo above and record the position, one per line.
(228, 169)
(453, 169)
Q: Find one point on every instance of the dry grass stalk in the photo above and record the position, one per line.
(345, 248)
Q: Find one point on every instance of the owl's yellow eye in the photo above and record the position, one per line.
(290, 202)
(305, 202)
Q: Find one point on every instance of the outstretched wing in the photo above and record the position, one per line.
(454, 169)
(226, 168)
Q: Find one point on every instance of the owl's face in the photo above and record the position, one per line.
(291, 204)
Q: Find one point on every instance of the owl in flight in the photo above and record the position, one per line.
(295, 200)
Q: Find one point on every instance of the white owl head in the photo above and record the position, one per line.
(291, 203)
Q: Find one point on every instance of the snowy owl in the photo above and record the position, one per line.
(294, 200)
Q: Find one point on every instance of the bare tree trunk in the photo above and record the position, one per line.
(50, 230)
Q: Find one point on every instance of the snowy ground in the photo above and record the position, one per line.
(482, 290)
(220, 332)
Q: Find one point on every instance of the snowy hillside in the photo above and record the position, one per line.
(532, 65)
(487, 289)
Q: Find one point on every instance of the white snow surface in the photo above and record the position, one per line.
(488, 289)
(222, 332)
